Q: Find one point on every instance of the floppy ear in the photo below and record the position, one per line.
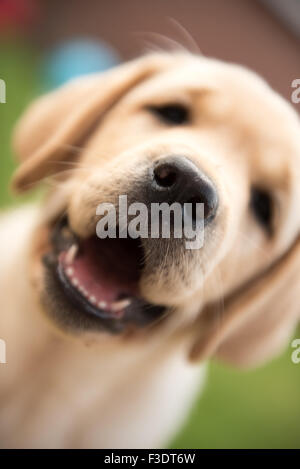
(66, 117)
(258, 320)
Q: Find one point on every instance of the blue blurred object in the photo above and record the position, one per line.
(77, 57)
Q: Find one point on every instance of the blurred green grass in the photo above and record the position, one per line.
(256, 409)
(249, 409)
(18, 68)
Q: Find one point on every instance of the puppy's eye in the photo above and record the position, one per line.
(261, 204)
(174, 114)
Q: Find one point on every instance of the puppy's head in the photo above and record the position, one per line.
(164, 129)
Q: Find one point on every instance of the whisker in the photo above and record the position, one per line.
(73, 164)
(163, 43)
(74, 148)
(192, 45)
(49, 181)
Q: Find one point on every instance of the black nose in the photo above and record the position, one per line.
(177, 179)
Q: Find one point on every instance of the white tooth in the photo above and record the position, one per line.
(75, 282)
(102, 304)
(92, 299)
(70, 271)
(84, 292)
(70, 256)
(119, 305)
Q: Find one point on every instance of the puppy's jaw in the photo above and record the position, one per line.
(237, 135)
(104, 301)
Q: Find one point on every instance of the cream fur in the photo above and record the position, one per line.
(239, 297)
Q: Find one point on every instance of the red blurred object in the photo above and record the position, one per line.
(17, 14)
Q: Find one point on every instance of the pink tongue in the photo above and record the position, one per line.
(105, 270)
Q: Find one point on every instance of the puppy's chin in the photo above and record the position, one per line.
(90, 285)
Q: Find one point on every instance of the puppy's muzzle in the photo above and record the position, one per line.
(178, 179)
(103, 282)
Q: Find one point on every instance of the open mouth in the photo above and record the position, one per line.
(100, 278)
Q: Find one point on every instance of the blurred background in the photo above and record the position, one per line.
(43, 43)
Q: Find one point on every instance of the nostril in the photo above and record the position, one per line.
(165, 175)
(177, 179)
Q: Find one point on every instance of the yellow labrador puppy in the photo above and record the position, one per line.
(105, 336)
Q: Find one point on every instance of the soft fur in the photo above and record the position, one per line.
(236, 298)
